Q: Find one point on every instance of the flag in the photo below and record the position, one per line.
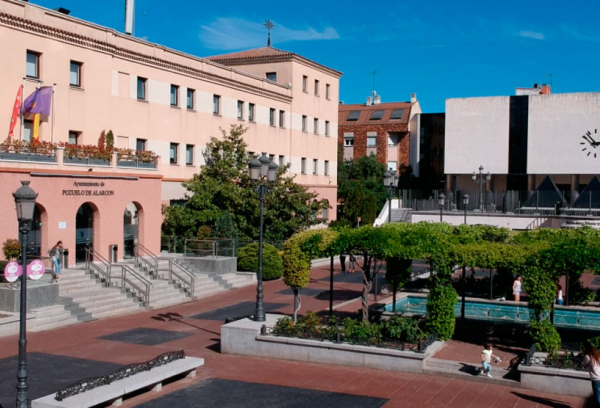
(39, 101)
(36, 127)
(15, 112)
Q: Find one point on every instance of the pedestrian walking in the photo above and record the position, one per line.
(343, 262)
(55, 255)
(486, 360)
(517, 288)
(352, 262)
(591, 362)
(559, 294)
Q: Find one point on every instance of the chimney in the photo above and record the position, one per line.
(413, 97)
(368, 101)
(129, 10)
(376, 100)
(63, 10)
(545, 89)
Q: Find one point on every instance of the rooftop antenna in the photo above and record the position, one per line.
(373, 73)
(549, 75)
(269, 26)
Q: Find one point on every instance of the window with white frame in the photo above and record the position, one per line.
(27, 130)
(303, 165)
(191, 93)
(189, 155)
(392, 165)
(371, 140)
(174, 95)
(349, 140)
(272, 117)
(392, 140)
(315, 166)
(304, 83)
(173, 151)
(326, 168)
(75, 74)
(281, 118)
(141, 88)
(251, 112)
(240, 109)
(216, 104)
(32, 64)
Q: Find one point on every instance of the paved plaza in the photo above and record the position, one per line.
(58, 358)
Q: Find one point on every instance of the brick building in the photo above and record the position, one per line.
(382, 129)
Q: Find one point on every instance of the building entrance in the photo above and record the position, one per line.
(130, 229)
(84, 231)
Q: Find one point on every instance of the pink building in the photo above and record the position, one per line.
(153, 99)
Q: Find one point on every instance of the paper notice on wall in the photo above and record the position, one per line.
(62, 225)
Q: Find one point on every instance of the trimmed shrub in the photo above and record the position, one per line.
(440, 310)
(11, 249)
(545, 336)
(272, 265)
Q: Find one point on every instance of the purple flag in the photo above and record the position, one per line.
(39, 101)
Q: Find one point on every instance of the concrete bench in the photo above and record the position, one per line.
(115, 391)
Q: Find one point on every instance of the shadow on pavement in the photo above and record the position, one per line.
(542, 401)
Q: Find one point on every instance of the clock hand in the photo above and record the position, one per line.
(589, 140)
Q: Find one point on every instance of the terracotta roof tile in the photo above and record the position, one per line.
(253, 53)
(366, 111)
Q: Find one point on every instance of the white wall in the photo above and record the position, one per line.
(556, 125)
(477, 134)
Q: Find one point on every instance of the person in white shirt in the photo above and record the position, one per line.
(591, 362)
(517, 288)
(486, 359)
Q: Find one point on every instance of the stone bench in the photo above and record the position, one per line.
(115, 391)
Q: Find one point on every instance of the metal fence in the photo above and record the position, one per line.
(207, 247)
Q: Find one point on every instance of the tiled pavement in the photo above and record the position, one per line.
(202, 340)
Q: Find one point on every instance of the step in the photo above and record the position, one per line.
(62, 323)
(454, 369)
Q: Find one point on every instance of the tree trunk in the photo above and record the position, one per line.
(367, 284)
(297, 303)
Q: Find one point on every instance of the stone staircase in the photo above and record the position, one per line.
(210, 283)
(83, 297)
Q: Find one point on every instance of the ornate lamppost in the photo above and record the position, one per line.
(441, 201)
(465, 204)
(262, 169)
(25, 204)
(483, 179)
(390, 180)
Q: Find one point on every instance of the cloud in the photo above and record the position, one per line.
(532, 34)
(230, 33)
(571, 32)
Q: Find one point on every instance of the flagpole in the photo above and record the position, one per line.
(53, 117)
(22, 127)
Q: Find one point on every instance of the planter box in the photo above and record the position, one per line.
(136, 164)
(556, 380)
(40, 295)
(86, 162)
(27, 157)
(243, 337)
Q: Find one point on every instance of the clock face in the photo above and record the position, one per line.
(589, 146)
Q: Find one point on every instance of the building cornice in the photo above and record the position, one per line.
(279, 58)
(33, 27)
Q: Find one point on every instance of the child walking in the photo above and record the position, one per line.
(486, 359)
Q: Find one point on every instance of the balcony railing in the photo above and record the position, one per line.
(15, 152)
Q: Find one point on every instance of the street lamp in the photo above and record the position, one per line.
(261, 169)
(483, 179)
(465, 204)
(441, 201)
(25, 204)
(390, 180)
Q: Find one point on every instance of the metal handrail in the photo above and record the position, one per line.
(153, 266)
(143, 293)
(91, 257)
(211, 246)
(191, 284)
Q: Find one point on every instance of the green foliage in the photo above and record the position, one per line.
(545, 336)
(11, 249)
(272, 266)
(595, 341)
(225, 228)
(223, 186)
(403, 329)
(110, 140)
(440, 310)
(398, 271)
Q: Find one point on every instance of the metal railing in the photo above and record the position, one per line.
(151, 264)
(94, 263)
(135, 283)
(185, 278)
(208, 247)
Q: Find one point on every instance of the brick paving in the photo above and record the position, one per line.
(400, 389)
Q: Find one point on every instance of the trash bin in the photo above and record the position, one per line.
(112, 253)
(65, 259)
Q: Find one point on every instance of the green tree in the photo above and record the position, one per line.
(361, 190)
(224, 186)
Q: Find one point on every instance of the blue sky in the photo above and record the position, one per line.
(437, 49)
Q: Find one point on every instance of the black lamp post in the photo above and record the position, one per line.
(261, 169)
(483, 179)
(465, 204)
(25, 204)
(441, 201)
(390, 180)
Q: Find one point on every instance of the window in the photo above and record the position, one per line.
(240, 110)
(316, 126)
(32, 65)
(75, 74)
(326, 168)
(303, 165)
(74, 137)
(392, 140)
(189, 155)
(376, 115)
(191, 93)
(304, 120)
(216, 104)
(281, 161)
(371, 141)
(173, 152)
(397, 114)
(327, 90)
(324, 213)
(140, 144)
(281, 118)
(174, 95)
(141, 88)
(271, 157)
(326, 128)
(272, 76)
(304, 83)
(392, 165)
(28, 130)
(317, 87)
(251, 112)
(353, 116)
(348, 140)
(315, 166)
(272, 117)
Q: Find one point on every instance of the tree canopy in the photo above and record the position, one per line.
(223, 188)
